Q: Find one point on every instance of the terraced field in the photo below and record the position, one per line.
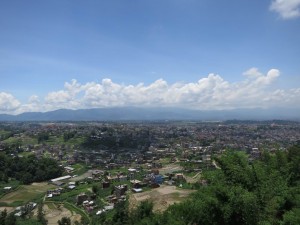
(25, 193)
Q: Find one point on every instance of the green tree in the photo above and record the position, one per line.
(95, 188)
(121, 213)
(43, 137)
(3, 215)
(26, 178)
(144, 210)
(294, 162)
(10, 219)
(236, 169)
(41, 215)
(84, 221)
(292, 217)
(64, 221)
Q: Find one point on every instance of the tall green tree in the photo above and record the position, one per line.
(10, 219)
(3, 215)
(64, 221)
(41, 215)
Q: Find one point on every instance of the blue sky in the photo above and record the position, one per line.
(170, 46)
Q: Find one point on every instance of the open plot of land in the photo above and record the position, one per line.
(162, 197)
(82, 177)
(26, 193)
(4, 133)
(194, 178)
(20, 141)
(54, 212)
(8, 209)
(170, 168)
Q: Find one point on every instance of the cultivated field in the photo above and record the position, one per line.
(162, 197)
(26, 193)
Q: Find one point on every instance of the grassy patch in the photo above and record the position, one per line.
(29, 141)
(165, 161)
(51, 205)
(22, 141)
(12, 183)
(121, 169)
(70, 195)
(25, 154)
(75, 141)
(79, 169)
(19, 196)
(12, 140)
(77, 166)
(54, 140)
(26, 193)
(4, 134)
(77, 210)
(191, 174)
(176, 196)
(31, 221)
(16, 203)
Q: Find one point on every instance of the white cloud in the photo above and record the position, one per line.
(269, 78)
(287, 9)
(33, 105)
(211, 92)
(58, 97)
(64, 98)
(252, 73)
(208, 93)
(73, 88)
(8, 103)
(34, 99)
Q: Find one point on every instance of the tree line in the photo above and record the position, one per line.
(28, 169)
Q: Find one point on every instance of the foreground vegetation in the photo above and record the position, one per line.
(265, 191)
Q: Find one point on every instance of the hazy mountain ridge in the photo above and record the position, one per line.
(134, 113)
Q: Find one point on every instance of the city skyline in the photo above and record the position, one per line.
(206, 55)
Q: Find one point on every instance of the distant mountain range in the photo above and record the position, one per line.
(135, 113)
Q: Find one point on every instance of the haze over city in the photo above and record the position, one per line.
(203, 55)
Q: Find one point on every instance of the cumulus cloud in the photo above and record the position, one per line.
(208, 93)
(33, 105)
(63, 98)
(211, 92)
(287, 9)
(252, 73)
(8, 102)
(58, 97)
(34, 99)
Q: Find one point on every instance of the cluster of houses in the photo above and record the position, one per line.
(121, 144)
(84, 200)
(55, 192)
(25, 209)
(133, 180)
